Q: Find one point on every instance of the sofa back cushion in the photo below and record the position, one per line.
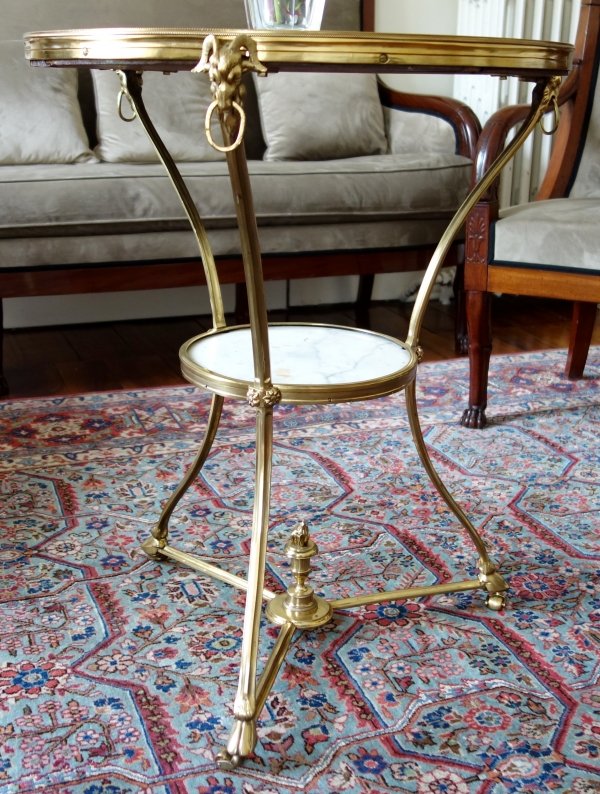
(20, 16)
(177, 106)
(40, 118)
(312, 116)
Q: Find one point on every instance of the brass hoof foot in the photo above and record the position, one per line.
(226, 762)
(151, 548)
(242, 740)
(495, 601)
(474, 418)
(299, 605)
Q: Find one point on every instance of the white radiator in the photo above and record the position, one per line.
(555, 20)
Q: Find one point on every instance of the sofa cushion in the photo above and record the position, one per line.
(125, 198)
(311, 116)
(176, 105)
(558, 233)
(411, 131)
(24, 253)
(40, 118)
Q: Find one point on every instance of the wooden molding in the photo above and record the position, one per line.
(544, 283)
(74, 281)
(368, 15)
(477, 245)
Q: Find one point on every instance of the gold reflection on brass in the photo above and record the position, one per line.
(226, 55)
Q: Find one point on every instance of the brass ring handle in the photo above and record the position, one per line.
(242, 129)
(556, 120)
(123, 93)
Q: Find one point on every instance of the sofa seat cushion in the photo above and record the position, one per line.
(109, 199)
(558, 233)
(338, 115)
(28, 253)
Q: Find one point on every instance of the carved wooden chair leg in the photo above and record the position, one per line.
(160, 533)
(582, 327)
(479, 324)
(461, 337)
(3, 383)
(363, 300)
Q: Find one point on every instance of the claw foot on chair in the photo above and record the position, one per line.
(474, 418)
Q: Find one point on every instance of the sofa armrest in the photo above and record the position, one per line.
(464, 122)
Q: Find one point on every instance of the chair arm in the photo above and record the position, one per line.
(493, 136)
(465, 123)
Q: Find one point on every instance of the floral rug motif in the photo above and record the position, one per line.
(117, 673)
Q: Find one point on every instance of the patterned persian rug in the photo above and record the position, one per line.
(117, 673)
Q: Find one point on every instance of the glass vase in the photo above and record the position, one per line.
(285, 14)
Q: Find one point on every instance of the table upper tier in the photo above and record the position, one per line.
(180, 49)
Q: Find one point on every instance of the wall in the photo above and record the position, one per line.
(401, 16)
(418, 16)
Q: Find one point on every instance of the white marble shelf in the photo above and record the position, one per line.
(304, 355)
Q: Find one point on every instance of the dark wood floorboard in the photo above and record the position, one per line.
(143, 353)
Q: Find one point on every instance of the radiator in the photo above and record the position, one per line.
(555, 20)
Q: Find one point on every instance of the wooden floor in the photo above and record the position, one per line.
(127, 355)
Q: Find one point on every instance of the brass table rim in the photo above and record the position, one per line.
(300, 393)
(297, 50)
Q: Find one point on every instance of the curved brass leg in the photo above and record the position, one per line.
(225, 760)
(160, 533)
(490, 579)
(243, 735)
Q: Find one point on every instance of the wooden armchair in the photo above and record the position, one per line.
(550, 247)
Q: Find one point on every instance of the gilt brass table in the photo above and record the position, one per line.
(295, 363)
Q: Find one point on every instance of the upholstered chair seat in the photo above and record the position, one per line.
(562, 234)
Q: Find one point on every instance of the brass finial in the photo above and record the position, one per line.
(300, 605)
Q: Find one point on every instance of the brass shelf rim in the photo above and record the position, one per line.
(302, 393)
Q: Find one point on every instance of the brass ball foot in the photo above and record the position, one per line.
(495, 601)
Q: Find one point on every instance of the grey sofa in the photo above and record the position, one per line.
(98, 227)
